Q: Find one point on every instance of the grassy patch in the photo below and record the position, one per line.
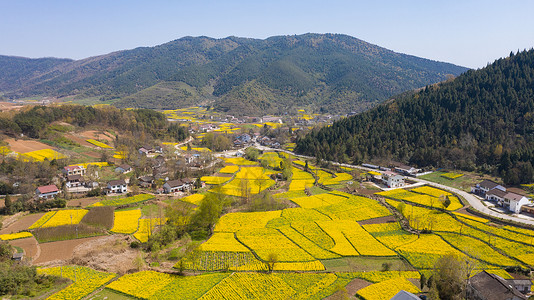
(363, 263)
(464, 182)
(110, 295)
(67, 232)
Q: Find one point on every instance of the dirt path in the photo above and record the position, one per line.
(21, 224)
(60, 251)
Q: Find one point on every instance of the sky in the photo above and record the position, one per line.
(469, 33)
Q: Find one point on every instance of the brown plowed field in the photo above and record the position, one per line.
(23, 146)
(5, 106)
(351, 288)
(61, 250)
(93, 134)
(84, 202)
(28, 244)
(22, 224)
(79, 140)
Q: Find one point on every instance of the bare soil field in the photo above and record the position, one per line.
(94, 134)
(30, 246)
(92, 154)
(84, 202)
(79, 140)
(387, 219)
(61, 250)
(110, 253)
(20, 224)
(6, 106)
(354, 286)
(23, 146)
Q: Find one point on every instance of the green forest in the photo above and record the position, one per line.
(481, 121)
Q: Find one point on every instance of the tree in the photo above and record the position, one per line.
(450, 275)
(272, 259)
(8, 205)
(207, 213)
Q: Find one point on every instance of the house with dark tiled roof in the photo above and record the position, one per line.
(124, 168)
(117, 187)
(486, 286)
(74, 180)
(485, 186)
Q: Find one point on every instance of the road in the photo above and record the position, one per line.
(470, 198)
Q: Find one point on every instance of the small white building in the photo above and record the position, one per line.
(74, 181)
(485, 186)
(392, 179)
(124, 168)
(117, 186)
(515, 201)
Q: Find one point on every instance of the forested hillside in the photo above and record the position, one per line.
(483, 120)
(243, 76)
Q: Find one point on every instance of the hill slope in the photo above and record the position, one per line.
(482, 120)
(335, 72)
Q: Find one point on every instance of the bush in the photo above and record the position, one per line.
(134, 245)
(199, 235)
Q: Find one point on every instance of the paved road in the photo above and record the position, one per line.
(472, 199)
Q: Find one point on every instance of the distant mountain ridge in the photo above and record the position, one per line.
(239, 75)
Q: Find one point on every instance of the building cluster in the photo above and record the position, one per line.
(515, 201)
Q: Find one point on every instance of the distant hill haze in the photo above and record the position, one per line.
(327, 72)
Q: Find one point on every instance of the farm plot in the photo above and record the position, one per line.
(41, 155)
(215, 180)
(245, 220)
(354, 208)
(326, 178)
(99, 144)
(220, 261)
(23, 146)
(223, 242)
(141, 285)
(318, 200)
(85, 280)
(477, 249)
(15, 236)
(425, 250)
(270, 159)
(300, 180)
(306, 244)
(250, 180)
(229, 169)
(59, 218)
(341, 245)
(267, 241)
(119, 201)
(240, 161)
(195, 199)
(126, 221)
(189, 287)
(385, 290)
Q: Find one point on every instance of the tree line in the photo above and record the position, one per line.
(480, 121)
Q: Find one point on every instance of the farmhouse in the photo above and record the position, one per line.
(124, 168)
(407, 170)
(116, 186)
(485, 186)
(492, 191)
(47, 191)
(74, 180)
(146, 181)
(392, 179)
(178, 185)
(486, 286)
(74, 170)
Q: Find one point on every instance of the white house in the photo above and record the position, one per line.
(74, 170)
(485, 186)
(392, 179)
(47, 191)
(74, 180)
(515, 201)
(117, 186)
(178, 185)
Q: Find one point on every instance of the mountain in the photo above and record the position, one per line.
(482, 120)
(243, 76)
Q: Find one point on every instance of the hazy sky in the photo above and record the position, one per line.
(471, 33)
